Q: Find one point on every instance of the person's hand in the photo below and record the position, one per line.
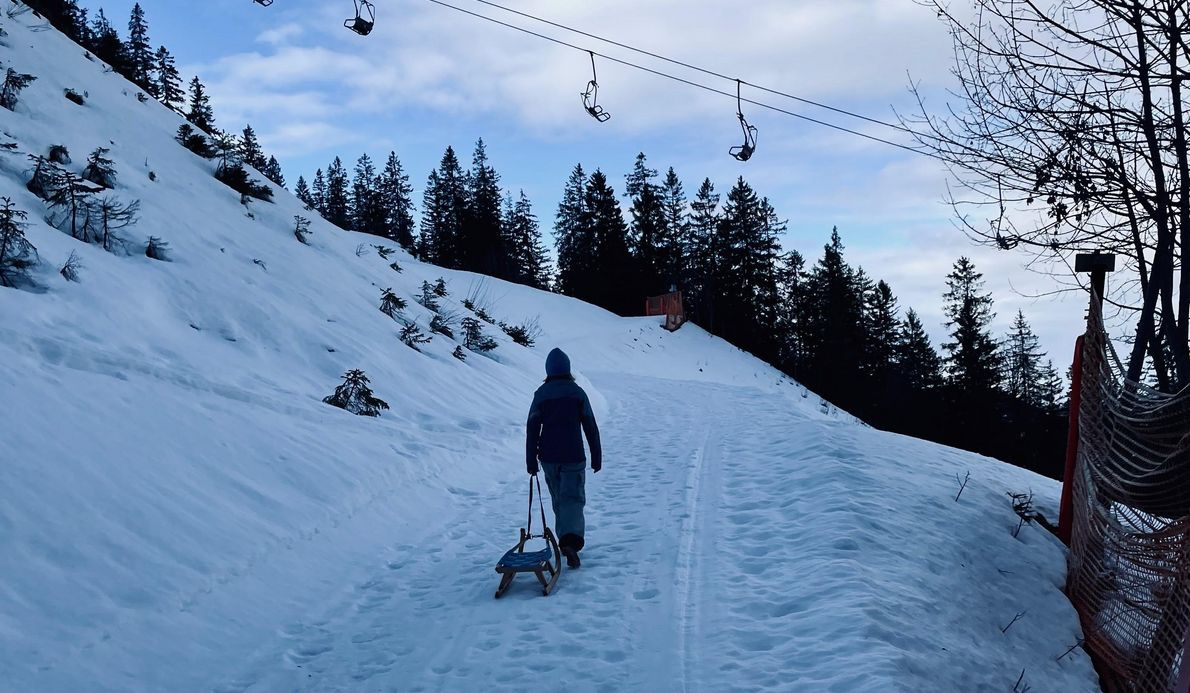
(596, 466)
(531, 467)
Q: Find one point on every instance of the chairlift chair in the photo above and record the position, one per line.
(364, 20)
(744, 151)
(264, 3)
(591, 96)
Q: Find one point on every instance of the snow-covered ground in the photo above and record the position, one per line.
(179, 511)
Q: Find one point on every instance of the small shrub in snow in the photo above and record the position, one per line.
(44, 178)
(469, 304)
(17, 254)
(153, 176)
(384, 251)
(428, 298)
(157, 249)
(14, 82)
(442, 325)
(483, 315)
(525, 335)
(110, 216)
(301, 229)
(355, 396)
(100, 170)
(396, 268)
(235, 176)
(412, 335)
(459, 354)
(474, 338)
(70, 271)
(361, 250)
(260, 263)
(72, 95)
(391, 304)
(195, 141)
(440, 288)
(140, 96)
(59, 154)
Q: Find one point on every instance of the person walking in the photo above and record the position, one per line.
(558, 418)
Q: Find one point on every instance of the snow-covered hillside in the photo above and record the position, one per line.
(179, 511)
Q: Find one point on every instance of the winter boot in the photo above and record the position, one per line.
(571, 555)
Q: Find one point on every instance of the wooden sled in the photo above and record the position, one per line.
(540, 563)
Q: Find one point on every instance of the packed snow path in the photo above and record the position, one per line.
(730, 548)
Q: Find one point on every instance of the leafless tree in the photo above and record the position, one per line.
(1067, 132)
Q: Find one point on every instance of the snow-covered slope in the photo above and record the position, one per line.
(179, 510)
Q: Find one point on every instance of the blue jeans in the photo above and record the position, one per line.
(568, 495)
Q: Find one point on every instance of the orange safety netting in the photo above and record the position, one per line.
(1129, 562)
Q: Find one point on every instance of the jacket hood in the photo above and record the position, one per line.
(557, 363)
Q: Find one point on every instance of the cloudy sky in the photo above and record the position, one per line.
(430, 76)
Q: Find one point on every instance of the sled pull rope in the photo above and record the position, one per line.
(529, 529)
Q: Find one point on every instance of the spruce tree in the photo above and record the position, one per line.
(302, 192)
(318, 193)
(883, 332)
(105, 43)
(675, 230)
(17, 254)
(10, 91)
(572, 237)
(917, 361)
(648, 222)
(396, 203)
(613, 281)
(168, 80)
(250, 150)
(272, 171)
(100, 170)
(972, 358)
(702, 256)
(530, 258)
(835, 329)
(482, 239)
(338, 200)
(367, 209)
(356, 396)
(1022, 363)
(200, 114)
(790, 323)
(444, 210)
(139, 52)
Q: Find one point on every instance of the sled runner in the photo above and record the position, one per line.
(517, 560)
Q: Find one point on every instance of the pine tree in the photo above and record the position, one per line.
(474, 338)
(703, 256)
(883, 332)
(168, 81)
(530, 258)
(444, 210)
(105, 43)
(391, 304)
(613, 282)
(338, 201)
(482, 241)
(139, 52)
(648, 222)
(302, 192)
(412, 335)
(396, 203)
(572, 238)
(272, 171)
(100, 170)
(1022, 363)
(675, 230)
(200, 114)
(10, 91)
(17, 254)
(972, 360)
(789, 327)
(367, 209)
(835, 329)
(250, 150)
(917, 361)
(318, 193)
(1053, 393)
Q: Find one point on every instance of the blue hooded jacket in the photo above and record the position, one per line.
(558, 417)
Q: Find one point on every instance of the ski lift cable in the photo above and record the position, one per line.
(685, 81)
(696, 68)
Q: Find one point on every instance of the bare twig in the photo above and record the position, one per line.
(962, 485)
(1016, 688)
(1014, 620)
(1072, 648)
